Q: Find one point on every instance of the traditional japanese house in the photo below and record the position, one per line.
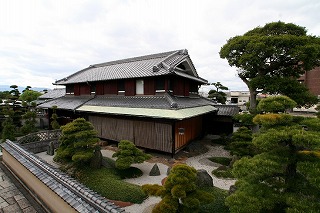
(150, 100)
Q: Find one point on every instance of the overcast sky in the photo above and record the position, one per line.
(45, 40)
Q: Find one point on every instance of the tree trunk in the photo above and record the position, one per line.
(253, 95)
(291, 168)
(253, 100)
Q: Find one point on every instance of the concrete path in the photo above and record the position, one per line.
(13, 197)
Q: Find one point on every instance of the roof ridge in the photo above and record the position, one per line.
(172, 103)
(167, 66)
(138, 58)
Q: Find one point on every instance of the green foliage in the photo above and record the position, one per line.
(313, 124)
(9, 129)
(245, 119)
(318, 111)
(222, 140)
(286, 170)
(29, 125)
(29, 95)
(221, 160)
(179, 193)
(224, 172)
(77, 143)
(132, 172)
(272, 120)
(54, 123)
(278, 50)
(219, 96)
(241, 143)
(128, 154)
(276, 104)
(109, 184)
(218, 204)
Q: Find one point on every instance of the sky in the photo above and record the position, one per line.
(42, 41)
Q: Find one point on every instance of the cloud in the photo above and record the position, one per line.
(41, 41)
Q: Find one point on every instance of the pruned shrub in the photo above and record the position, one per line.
(272, 119)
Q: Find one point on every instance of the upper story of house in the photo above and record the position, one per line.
(170, 72)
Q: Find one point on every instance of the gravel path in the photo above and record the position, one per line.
(198, 162)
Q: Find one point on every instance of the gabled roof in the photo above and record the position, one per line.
(168, 63)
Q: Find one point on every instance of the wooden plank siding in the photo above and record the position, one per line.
(147, 134)
(85, 89)
(100, 88)
(110, 88)
(130, 87)
(192, 129)
(149, 86)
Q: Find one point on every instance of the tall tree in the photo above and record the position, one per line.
(277, 50)
(218, 93)
(285, 176)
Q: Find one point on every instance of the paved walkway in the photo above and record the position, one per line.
(13, 197)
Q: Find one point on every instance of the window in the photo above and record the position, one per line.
(121, 85)
(121, 88)
(70, 89)
(160, 84)
(93, 88)
(139, 87)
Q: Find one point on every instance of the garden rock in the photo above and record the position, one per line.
(232, 189)
(96, 161)
(204, 179)
(50, 149)
(155, 171)
(168, 170)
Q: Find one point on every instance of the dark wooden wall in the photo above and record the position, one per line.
(147, 134)
(130, 87)
(149, 86)
(179, 85)
(192, 129)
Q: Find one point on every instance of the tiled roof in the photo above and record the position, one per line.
(143, 66)
(72, 192)
(55, 93)
(66, 102)
(165, 101)
(227, 110)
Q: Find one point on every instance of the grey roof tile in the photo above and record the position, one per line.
(55, 93)
(66, 102)
(227, 110)
(55, 180)
(136, 67)
(158, 102)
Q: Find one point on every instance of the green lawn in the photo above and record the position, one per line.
(108, 183)
(221, 160)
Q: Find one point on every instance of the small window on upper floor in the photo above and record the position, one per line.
(160, 84)
(70, 89)
(121, 87)
(93, 88)
(139, 87)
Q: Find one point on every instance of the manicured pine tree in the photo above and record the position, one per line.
(128, 154)
(285, 177)
(179, 193)
(77, 143)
